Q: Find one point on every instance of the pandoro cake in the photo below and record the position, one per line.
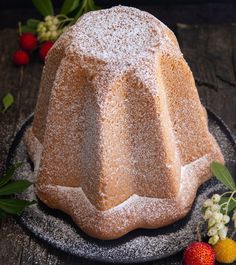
(120, 139)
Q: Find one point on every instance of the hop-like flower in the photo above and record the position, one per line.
(208, 203)
(218, 216)
(212, 231)
(213, 240)
(225, 219)
(49, 29)
(219, 226)
(211, 222)
(208, 214)
(216, 220)
(223, 232)
(215, 207)
(216, 198)
(48, 18)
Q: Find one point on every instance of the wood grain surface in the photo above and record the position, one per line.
(211, 53)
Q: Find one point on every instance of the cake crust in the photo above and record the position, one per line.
(120, 139)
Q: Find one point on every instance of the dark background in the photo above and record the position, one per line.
(168, 11)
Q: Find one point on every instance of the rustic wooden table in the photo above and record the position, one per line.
(211, 53)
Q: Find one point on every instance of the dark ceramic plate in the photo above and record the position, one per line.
(58, 230)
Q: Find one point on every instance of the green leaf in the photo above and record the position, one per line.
(45, 7)
(69, 6)
(223, 175)
(26, 28)
(2, 214)
(33, 23)
(232, 204)
(7, 101)
(15, 187)
(9, 174)
(14, 206)
(92, 5)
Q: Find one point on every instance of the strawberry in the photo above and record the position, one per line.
(199, 253)
(45, 47)
(28, 41)
(20, 57)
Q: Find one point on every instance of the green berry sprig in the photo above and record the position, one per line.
(217, 209)
(52, 26)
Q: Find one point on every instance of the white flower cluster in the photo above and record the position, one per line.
(217, 228)
(49, 29)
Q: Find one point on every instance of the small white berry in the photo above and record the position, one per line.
(223, 232)
(43, 29)
(208, 203)
(219, 226)
(213, 240)
(42, 36)
(48, 18)
(211, 222)
(225, 219)
(55, 21)
(40, 25)
(53, 28)
(218, 216)
(46, 35)
(215, 207)
(49, 23)
(212, 231)
(208, 214)
(54, 35)
(216, 198)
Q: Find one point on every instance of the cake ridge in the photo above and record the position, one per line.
(184, 168)
(99, 223)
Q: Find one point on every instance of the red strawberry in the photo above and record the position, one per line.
(199, 253)
(43, 51)
(20, 57)
(28, 41)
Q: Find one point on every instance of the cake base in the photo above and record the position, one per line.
(58, 229)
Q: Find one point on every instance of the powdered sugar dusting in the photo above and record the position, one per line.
(188, 181)
(122, 34)
(120, 40)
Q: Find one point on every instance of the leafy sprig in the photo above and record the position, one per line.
(217, 209)
(228, 200)
(70, 11)
(8, 187)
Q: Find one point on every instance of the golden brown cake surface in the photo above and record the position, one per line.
(120, 139)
